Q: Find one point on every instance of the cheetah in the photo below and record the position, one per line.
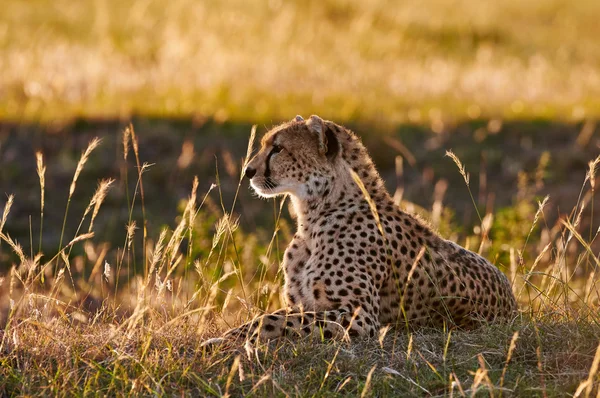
(358, 261)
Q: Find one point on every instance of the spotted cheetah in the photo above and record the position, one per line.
(357, 261)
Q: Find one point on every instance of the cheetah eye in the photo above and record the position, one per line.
(276, 149)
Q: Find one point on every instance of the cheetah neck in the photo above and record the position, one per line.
(323, 197)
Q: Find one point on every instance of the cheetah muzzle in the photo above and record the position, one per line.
(348, 272)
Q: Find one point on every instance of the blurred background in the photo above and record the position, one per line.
(378, 61)
(512, 87)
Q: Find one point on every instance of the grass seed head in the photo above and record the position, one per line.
(131, 227)
(126, 140)
(157, 256)
(41, 171)
(81, 237)
(540, 210)
(106, 272)
(591, 173)
(6, 211)
(98, 198)
(224, 224)
(461, 167)
(82, 161)
(249, 149)
(16, 247)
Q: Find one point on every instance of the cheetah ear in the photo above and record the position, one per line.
(333, 145)
(328, 142)
(298, 118)
(316, 125)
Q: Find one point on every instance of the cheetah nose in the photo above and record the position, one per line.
(250, 172)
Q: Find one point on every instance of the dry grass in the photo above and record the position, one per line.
(123, 328)
(378, 60)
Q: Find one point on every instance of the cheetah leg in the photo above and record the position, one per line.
(334, 324)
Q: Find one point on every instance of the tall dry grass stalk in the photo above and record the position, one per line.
(237, 262)
(249, 150)
(97, 199)
(587, 385)
(131, 204)
(329, 368)
(130, 229)
(41, 172)
(126, 140)
(461, 167)
(527, 275)
(370, 201)
(209, 301)
(486, 226)
(572, 228)
(15, 246)
(481, 376)
(591, 176)
(82, 161)
(80, 165)
(192, 213)
(76, 239)
(93, 207)
(141, 168)
(157, 255)
(399, 169)
(511, 348)
(404, 288)
(365, 390)
(466, 178)
(538, 213)
(232, 371)
(591, 173)
(6, 211)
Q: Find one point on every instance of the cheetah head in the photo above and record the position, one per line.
(296, 158)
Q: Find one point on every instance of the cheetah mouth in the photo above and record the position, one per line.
(264, 186)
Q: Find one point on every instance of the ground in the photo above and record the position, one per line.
(168, 361)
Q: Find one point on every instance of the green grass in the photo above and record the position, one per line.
(377, 61)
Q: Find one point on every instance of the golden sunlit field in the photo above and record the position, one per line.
(380, 61)
(128, 236)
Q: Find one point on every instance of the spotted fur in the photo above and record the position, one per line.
(346, 273)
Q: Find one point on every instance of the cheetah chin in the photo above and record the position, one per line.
(352, 268)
